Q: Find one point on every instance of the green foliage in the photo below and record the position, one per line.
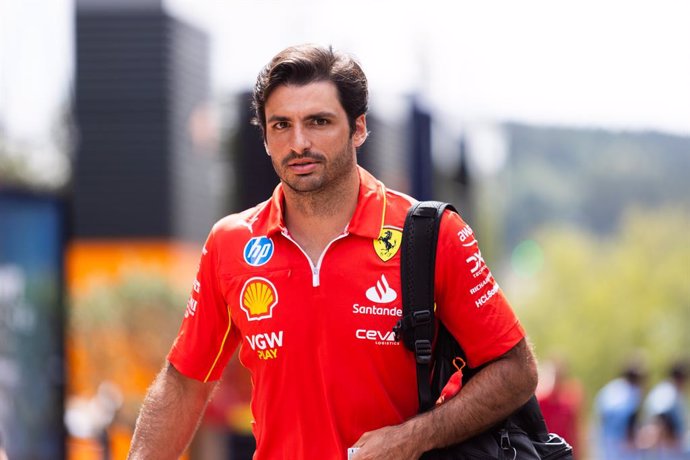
(588, 177)
(596, 301)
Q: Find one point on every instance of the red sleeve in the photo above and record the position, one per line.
(207, 338)
(469, 301)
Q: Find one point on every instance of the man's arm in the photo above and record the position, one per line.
(169, 416)
(494, 393)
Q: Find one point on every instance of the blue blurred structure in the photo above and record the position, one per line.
(32, 377)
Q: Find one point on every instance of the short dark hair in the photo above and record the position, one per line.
(308, 63)
(680, 371)
(634, 372)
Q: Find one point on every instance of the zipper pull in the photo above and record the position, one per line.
(315, 277)
(505, 440)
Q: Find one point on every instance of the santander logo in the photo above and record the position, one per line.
(382, 292)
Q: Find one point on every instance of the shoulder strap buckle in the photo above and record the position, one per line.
(410, 322)
(422, 351)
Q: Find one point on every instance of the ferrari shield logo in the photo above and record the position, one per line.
(388, 243)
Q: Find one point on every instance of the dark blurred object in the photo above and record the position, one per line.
(256, 178)
(420, 154)
(144, 166)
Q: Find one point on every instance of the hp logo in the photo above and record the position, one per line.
(258, 251)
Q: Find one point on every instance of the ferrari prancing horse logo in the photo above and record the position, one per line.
(388, 243)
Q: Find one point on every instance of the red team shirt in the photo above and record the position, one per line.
(317, 337)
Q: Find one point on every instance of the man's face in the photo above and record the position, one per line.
(308, 136)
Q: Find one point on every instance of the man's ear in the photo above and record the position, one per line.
(360, 134)
(266, 148)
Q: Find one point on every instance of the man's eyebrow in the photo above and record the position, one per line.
(322, 114)
(273, 118)
(311, 116)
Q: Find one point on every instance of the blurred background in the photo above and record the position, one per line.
(560, 130)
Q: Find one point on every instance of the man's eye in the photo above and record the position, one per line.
(320, 121)
(280, 125)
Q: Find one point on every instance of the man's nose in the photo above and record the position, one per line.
(300, 141)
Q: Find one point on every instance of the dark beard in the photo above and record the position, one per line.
(323, 196)
(334, 173)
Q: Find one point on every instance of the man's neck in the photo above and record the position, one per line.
(315, 219)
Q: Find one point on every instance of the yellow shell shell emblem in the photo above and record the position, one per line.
(258, 298)
(388, 243)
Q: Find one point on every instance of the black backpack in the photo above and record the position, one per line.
(523, 435)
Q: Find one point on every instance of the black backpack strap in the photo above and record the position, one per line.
(418, 259)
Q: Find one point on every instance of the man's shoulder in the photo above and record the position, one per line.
(241, 223)
(397, 205)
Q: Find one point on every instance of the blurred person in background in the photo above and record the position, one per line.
(617, 406)
(663, 436)
(308, 284)
(560, 397)
(3, 454)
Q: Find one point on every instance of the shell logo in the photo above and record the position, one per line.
(257, 299)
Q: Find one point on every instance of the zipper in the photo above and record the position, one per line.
(315, 269)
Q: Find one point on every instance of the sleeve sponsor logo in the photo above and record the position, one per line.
(266, 345)
(466, 236)
(257, 299)
(477, 264)
(382, 292)
(191, 307)
(478, 268)
(479, 286)
(192, 303)
(388, 243)
(258, 251)
(485, 298)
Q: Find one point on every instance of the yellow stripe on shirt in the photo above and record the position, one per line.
(222, 345)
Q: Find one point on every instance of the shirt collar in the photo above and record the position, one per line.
(370, 212)
(366, 221)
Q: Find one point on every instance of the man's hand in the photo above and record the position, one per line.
(388, 443)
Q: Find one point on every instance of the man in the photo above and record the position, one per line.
(666, 411)
(306, 285)
(617, 406)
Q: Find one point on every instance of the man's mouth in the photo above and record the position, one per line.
(302, 164)
(305, 166)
